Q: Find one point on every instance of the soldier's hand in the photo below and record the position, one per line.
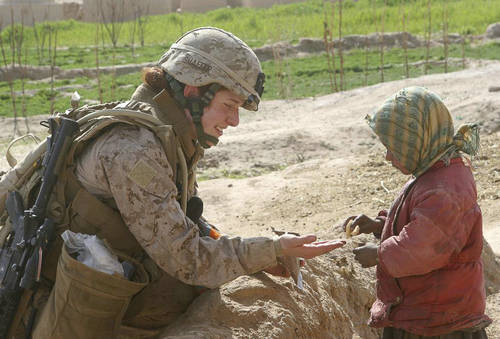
(305, 246)
(366, 224)
(366, 255)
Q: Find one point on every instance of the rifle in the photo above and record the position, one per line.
(22, 253)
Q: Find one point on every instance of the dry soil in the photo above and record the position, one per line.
(304, 166)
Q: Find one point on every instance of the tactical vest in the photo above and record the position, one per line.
(73, 207)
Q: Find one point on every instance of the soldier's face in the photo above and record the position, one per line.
(223, 111)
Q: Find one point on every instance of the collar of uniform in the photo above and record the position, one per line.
(171, 113)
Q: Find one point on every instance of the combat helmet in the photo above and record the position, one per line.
(209, 55)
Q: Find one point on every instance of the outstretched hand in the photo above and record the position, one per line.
(305, 246)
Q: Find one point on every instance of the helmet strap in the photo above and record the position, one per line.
(195, 106)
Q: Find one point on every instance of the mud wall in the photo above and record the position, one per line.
(201, 6)
(123, 10)
(284, 49)
(266, 3)
(40, 11)
(88, 10)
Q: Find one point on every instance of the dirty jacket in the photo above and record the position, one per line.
(127, 167)
(430, 273)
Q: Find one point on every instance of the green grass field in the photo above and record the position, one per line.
(293, 21)
(294, 78)
(302, 77)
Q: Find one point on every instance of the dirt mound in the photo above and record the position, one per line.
(335, 303)
(44, 72)
(493, 31)
(315, 45)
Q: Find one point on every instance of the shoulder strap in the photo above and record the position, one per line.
(95, 122)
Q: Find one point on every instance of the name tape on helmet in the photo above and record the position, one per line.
(198, 63)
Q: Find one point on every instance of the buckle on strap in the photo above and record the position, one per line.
(259, 84)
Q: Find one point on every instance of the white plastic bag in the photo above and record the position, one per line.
(92, 252)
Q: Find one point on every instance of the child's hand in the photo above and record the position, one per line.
(366, 255)
(366, 224)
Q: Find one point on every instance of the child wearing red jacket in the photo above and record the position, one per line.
(429, 269)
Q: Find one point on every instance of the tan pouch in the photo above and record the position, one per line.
(86, 303)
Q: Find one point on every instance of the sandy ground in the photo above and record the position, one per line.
(304, 166)
(333, 165)
(334, 168)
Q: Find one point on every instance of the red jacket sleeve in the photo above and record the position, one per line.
(433, 235)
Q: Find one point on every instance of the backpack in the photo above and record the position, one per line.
(25, 176)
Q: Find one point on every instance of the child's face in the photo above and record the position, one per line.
(395, 163)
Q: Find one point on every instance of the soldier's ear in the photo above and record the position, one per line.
(191, 91)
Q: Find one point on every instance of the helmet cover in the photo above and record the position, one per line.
(209, 55)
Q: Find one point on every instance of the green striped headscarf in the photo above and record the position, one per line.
(417, 128)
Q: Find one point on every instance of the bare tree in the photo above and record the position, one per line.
(142, 20)
(36, 36)
(98, 27)
(375, 21)
(23, 108)
(18, 39)
(332, 48)
(365, 70)
(12, 38)
(330, 54)
(281, 65)
(279, 70)
(44, 33)
(112, 14)
(341, 56)
(19, 51)
(9, 80)
(404, 18)
(462, 41)
(112, 20)
(132, 30)
(327, 50)
(101, 24)
(428, 42)
(382, 22)
(372, 4)
(15, 39)
(445, 35)
(52, 58)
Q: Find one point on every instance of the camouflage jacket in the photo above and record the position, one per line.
(128, 165)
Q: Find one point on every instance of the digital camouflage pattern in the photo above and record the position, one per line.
(128, 165)
(128, 169)
(211, 55)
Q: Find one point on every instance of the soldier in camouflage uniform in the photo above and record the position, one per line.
(197, 88)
